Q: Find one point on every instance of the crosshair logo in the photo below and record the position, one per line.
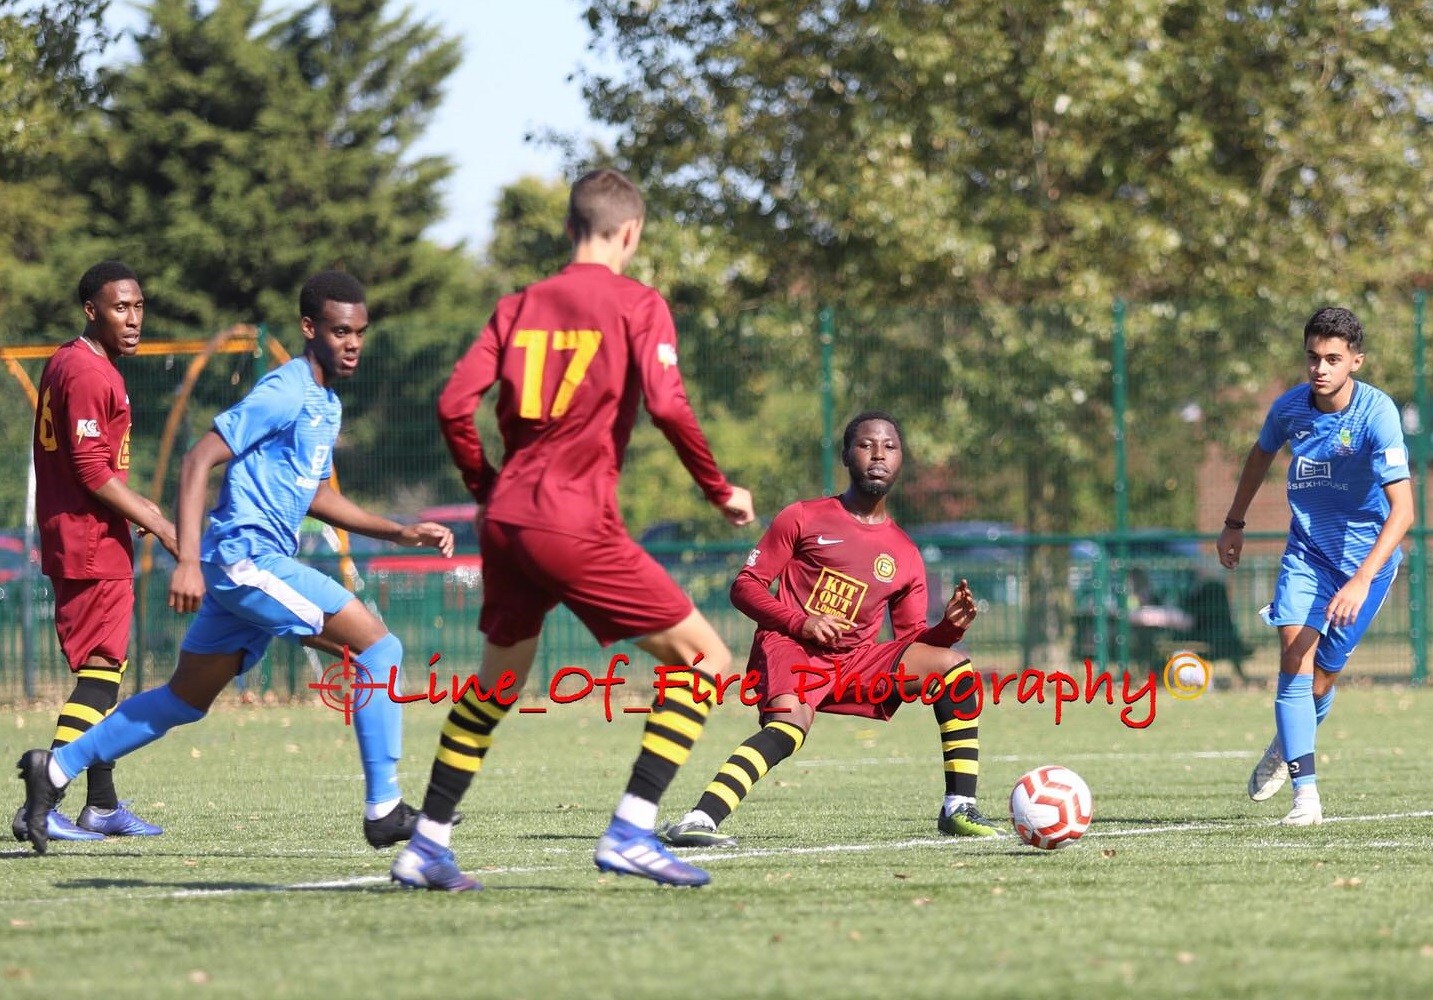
(1187, 675)
(345, 687)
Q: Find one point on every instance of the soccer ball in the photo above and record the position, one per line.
(1051, 807)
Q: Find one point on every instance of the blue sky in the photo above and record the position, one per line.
(513, 81)
(518, 55)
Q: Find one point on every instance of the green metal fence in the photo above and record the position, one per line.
(1075, 488)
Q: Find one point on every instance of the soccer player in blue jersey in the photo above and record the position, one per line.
(1352, 503)
(241, 575)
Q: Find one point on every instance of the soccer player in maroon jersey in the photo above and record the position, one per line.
(571, 356)
(842, 564)
(84, 507)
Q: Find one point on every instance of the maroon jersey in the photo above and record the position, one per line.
(571, 355)
(81, 443)
(828, 563)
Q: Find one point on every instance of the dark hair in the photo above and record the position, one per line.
(848, 436)
(100, 275)
(328, 286)
(1335, 321)
(600, 202)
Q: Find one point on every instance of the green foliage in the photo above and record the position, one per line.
(1012, 169)
(46, 108)
(243, 154)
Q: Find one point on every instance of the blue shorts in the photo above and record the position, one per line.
(250, 602)
(1301, 597)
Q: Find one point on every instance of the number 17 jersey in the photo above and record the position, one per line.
(571, 355)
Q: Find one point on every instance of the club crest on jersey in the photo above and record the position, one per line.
(87, 429)
(753, 557)
(885, 567)
(837, 595)
(666, 355)
(1344, 442)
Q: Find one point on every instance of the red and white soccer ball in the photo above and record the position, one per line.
(1051, 807)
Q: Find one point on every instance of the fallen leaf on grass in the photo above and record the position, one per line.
(1108, 852)
(1184, 957)
(198, 977)
(921, 901)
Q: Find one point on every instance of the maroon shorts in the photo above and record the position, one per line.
(92, 618)
(611, 584)
(861, 682)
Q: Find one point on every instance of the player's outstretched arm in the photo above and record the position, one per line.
(332, 507)
(186, 586)
(141, 510)
(1231, 539)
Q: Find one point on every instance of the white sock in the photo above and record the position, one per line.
(439, 833)
(1306, 794)
(377, 810)
(700, 819)
(58, 777)
(954, 802)
(638, 812)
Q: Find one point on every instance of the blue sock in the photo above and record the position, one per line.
(1295, 717)
(136, 722)
(1322, 705)
(379, 723)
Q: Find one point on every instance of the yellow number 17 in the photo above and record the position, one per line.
(534, 343)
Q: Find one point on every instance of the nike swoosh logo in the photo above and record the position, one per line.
(1300, 435)
(823, 540)
(316, 420)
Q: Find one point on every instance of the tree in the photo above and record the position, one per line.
(46, 98)
(1011, 169)
(1029, 160)
(243, 154)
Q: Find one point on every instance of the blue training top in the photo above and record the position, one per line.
(282, 435)
(1341, 462)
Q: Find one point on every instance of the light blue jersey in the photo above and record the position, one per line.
(282, 436)
(1341, 463)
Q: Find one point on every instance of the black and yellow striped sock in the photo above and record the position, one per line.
(956, 714)
(464, 742)
(747, 765)
(673, 725)
(95, 695)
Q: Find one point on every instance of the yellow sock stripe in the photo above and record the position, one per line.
(68, 734)
(463, 738)
(959, 725)
(738, 774)
(483, 712)
(793, 731)
(756, 760)
(110, 674)
(655, 743)
(724, 793)
(677, 723)
(958, 766)
(683, 695)
(460, 761)
(947, 745)
(955, 672)
(81, 713)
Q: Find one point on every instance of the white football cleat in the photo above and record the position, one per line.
(1270, 773)
(1308, 809)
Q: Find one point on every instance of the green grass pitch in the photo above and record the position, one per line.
(263, 887)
